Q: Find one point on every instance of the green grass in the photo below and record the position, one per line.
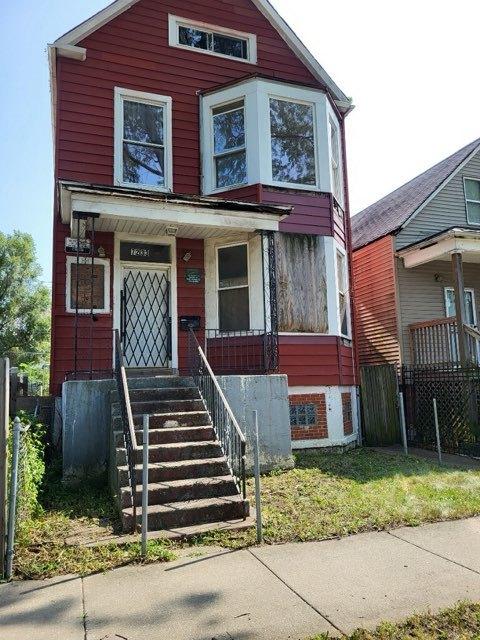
(329, 495)
(75, 513)
(461, 622)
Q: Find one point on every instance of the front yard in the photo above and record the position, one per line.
(327, 495)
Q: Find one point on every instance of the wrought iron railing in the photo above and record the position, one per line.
(252, 351)
(226, 427)
(129, 436)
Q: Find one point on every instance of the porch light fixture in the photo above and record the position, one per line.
(101, 252)
(187, 256)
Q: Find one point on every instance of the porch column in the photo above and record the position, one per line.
(459, 286)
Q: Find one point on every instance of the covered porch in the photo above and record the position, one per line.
(452, 338)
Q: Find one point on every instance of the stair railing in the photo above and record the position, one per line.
(129, 435)
(226, 427)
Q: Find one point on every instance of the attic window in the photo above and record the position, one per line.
(217, 41)
(472, 198)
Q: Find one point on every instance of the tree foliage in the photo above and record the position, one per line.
(24, 302)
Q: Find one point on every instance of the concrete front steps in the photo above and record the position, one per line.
(190, 485)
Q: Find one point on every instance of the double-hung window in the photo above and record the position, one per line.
(143, 146)
(342, 289)
(335, 163)
(233, 288)
(292, 132)
(472, 199)
(229, 151)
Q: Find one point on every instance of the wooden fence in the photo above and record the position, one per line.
(379, 389)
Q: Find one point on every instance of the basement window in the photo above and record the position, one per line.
(303, 415)
(212, 40)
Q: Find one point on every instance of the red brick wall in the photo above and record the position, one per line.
(347, 413)
(312, 432)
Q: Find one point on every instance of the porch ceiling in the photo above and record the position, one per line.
(442, 246)
(139, 212)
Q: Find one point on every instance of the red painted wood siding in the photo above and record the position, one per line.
(376, 303)
(132, 51)
(63, 323)
(316, 361)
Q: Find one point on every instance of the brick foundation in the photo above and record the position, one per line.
(347, 414)
(315, 431)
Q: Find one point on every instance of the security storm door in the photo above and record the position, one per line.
(146, 334)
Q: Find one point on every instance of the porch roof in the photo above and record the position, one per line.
(133, 210)
(441, 246)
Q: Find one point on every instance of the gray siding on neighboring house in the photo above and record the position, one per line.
(447, 209)
(421, 295)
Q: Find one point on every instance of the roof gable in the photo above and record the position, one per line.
(67, 43)
(397, 209)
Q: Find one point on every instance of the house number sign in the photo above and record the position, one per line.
(193, 276)
(140, 252)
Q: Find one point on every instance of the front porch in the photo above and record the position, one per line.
(441, 274)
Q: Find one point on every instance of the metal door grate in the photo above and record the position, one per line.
(146, 318)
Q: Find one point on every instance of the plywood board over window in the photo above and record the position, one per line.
(302, 285)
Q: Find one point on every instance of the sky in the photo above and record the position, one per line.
(411, 67)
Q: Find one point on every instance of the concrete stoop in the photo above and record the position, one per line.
(190, 484)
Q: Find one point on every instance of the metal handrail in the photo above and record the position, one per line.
(219, 408)
(130, 438)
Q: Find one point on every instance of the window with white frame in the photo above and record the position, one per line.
(233, 288)
(335, 162)
(342, 289)
(271, 133)
(88, 285)
(213, 40)
(143, 147)
(472, 199)
(229, 151)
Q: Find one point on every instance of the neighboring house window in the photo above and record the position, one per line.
(293, 142)
(472, 198)
(213, 40)
(143, 148)
(88, 286)
(233, 290)
(335, 163)
(229, 152)
(271, 133)
(342, 288)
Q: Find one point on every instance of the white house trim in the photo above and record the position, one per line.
(176, 21)
(96, 21)
(442, 247)
(106, 284)
(120, 95)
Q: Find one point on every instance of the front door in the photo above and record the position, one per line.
(146, 333)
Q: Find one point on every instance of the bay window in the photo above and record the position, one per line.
(266, 132)
(142, 140)
(342, 290)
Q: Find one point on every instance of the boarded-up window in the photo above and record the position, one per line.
(301, 284)
(89, 286)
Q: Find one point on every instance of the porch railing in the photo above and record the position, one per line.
(129, 435)
(435, 342)
(253, 351)
(227, 429)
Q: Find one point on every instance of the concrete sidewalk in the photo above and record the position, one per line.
(268, 593)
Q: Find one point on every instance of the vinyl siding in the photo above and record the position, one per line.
(375, 303)
(447, 209)
(421, 294)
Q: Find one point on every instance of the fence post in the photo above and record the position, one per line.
(256, 463)
(4, 413)
(437, 431)
(12, 499)
(146, 426)
(403, 428)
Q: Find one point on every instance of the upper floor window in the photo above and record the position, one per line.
(335, 162)
(213, 40)
(271, 133)
(143, 148)
(229, 151)
(293, 142)
(472, 199)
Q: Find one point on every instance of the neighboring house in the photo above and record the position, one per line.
(414, 250)
(199, 149)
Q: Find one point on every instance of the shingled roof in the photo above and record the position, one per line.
(391, 212)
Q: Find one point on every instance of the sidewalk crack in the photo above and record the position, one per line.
(84, 610)
(309, 604)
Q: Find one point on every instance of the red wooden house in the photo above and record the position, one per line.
(200, 181)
